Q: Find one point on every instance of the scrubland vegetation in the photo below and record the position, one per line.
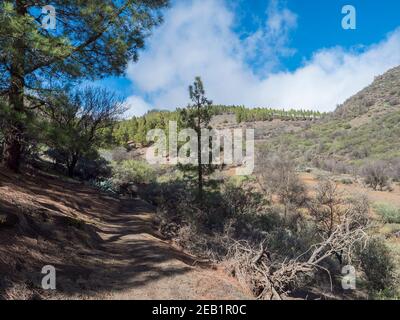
(295, 242)
(276, 235)
(279, 237)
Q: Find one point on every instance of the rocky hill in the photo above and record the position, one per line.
(365, 128)
(382, 96)
(263, 130)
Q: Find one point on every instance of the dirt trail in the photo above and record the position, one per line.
(154, 269)
(102, 247)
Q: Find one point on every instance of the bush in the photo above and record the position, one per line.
(277, 175)
(246, 213)
(120, 154)
(346, 181)
(239, 200)
(132, 171)
(92, 169)
(369, 103)
(395, 169)
(91, 166)
(104, 185)
(377, 265)
(388, 212)
(376, 175)
(334, 166)
(394, 102)
(234, 211)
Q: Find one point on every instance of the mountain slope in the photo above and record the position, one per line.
(366, 127)
(381, 97)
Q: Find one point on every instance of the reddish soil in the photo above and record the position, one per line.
(392, 197)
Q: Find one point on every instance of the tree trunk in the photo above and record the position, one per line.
(199, 167)
(13, 141)
(71, 166)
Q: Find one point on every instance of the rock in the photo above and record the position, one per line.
(8, 220)
(133, 189)
(397, 234)
(129, 189)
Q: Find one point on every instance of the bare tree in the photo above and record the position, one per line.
(76, 120)
(328, 206)
(376, 175)
(276, 174)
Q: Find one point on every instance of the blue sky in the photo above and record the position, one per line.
(319, 23)
(277, 53)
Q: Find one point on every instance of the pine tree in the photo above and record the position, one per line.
(93, 39)
(197, 116)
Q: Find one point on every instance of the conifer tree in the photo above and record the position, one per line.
(198, 116)
(92, 39)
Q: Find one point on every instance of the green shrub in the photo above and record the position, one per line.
(378, 265)
(346, 181)
(387, 294)
(103, 185)
(132, 171)
(91, 168)
(388, 212)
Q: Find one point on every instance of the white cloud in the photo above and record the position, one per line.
(197, 38)
(270, 42)
(136, 106)
(330, 77)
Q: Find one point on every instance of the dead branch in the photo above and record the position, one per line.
(269, 279)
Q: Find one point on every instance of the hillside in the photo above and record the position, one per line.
(263, 130)
(381, 97)
(266, 121)
(366, 127)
